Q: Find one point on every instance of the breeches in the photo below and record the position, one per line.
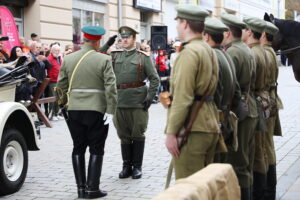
(131, 124)
(242, 159)
(87, 130)
(195, 154)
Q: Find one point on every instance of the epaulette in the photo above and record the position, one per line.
(145, 53)
(103, 52)
(116, 50)
(73, 52)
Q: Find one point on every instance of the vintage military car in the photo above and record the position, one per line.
(18, 133)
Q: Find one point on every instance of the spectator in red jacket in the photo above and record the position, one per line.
(55, 59)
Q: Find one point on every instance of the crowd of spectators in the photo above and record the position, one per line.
(47, 59)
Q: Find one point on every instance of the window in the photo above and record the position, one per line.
(83, 18)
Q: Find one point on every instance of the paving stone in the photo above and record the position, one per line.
(50, 172)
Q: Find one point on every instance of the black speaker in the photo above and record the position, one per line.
(159, 37)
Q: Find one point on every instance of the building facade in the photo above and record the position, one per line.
(62, 20)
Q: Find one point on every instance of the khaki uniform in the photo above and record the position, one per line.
(191, 75)
(245, 73)
(273, 67)
(261, 90)
(131, 119)
(102, 98)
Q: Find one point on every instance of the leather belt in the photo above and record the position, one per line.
(88, 90)
(207, 98)
(273, 87)
(131, 85)
(224, 108)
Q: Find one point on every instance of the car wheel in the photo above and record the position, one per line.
(13, 161)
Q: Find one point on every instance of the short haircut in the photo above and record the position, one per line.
(216, 37)
(256, 35)
(269, 37)
(236, 32)
(195, 25)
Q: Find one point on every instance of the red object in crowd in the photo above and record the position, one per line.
(54, 70)
(8, 28)
(161, 61)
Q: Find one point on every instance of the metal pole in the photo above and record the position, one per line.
(120, 14)
(278, 7)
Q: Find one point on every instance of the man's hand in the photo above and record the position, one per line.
(147, 103)
(111, 40)
(171, 144)
(107, 118)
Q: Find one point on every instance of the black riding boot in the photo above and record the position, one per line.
(93, 181)
(259, 185)
(127, 165)
(78, 162)
(245, 193)
(270, 193)
(137, 158)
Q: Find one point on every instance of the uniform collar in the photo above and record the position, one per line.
(233, 42)
(253, 44)
(87, 47)
(130, 51)
(190, 41)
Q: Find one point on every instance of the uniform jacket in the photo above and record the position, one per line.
(126, 68)
(225, 89)
(244, 63)
(195, 69)
(54, 70)
(94, 72)
(262, 73)
(272, 66)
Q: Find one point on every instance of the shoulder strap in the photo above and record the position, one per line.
(72, 76)
(199, 104)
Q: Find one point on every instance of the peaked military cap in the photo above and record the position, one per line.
(271, 28)
(255, 24)
(214, 25)
(93, 32)
(232, 20)
(191, 12)
(126, 31)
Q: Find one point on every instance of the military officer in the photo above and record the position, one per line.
(194, 74)
(132, 67)
(251, 36)
(266, 40)
(245, 73)
(87, 78)
(213, 35)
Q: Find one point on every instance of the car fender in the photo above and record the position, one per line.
(16, 115)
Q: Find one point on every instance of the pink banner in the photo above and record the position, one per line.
(8, 28)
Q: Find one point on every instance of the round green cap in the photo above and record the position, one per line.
(232, 20)
(255, 24)
(191, 12)
(214, 25)
(271, 28)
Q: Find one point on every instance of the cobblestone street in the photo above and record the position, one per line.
(50, 173)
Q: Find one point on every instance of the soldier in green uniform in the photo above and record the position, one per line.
(194, 74)
(87, 78)
(245, 73)
(213, 35)
(251, 36)
(132, 67)
(266, 40)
